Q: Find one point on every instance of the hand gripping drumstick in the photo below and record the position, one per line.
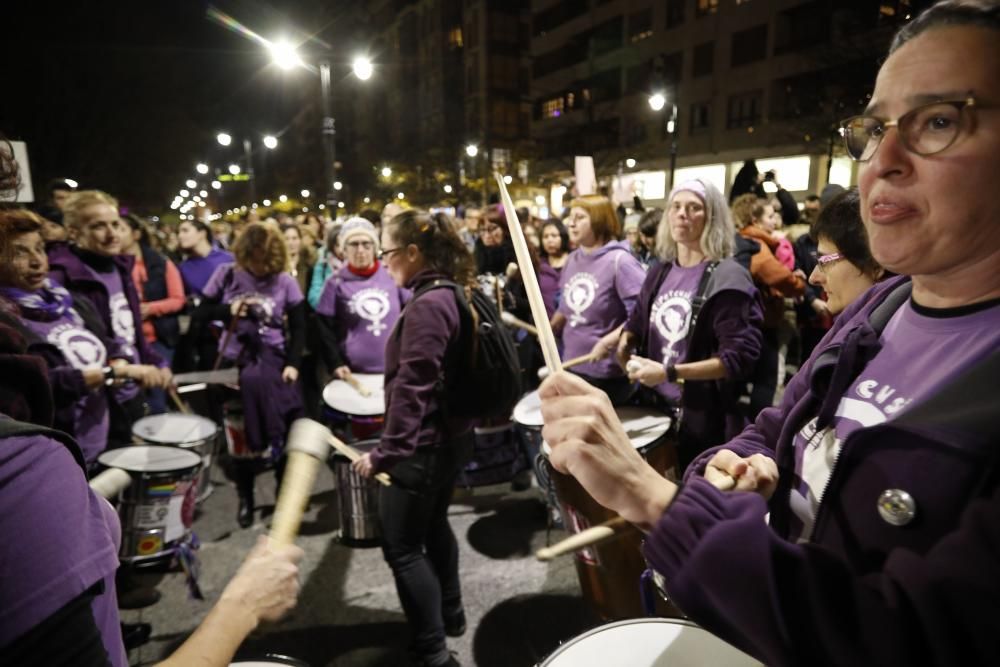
(585, 538)
(546, 338)
(509, 318)
(307, 448)
(356, 384)
(353, 455)
(110, 483)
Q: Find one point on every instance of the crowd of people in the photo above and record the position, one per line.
(828, 370)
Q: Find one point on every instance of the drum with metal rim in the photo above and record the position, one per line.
(610, 572)
(190, 432)
(364, 414)
(157, 509)
(359, 521)
(649, 642)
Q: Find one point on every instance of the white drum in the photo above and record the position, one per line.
(191, 432)
(528, 411)
(270, 661)
(344, 398)
(649, 642)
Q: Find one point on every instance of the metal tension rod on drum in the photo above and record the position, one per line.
(546, 338)
(585, 538)
(353, 455)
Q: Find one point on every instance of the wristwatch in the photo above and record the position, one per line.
(672, 374)
(109, 374)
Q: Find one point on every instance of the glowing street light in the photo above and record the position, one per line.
(203, 193)
(386, 172)
(266, 202)
(184, 193)
(283, 54)
(71, 183)
(201, 168)
(630, 162)
(191, 183)
(283, 198)
(234, 169)
(216, 185)
(508, 179)
(368, 200)
(223, 139)
(337, 185)
(322, 206)
(340, 204)
(305, 194)
(472, 150)
(270, 142)
(400, 195)
(362, 68)
(448, 189)
(657, 101)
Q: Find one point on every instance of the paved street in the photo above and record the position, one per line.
(518, 609)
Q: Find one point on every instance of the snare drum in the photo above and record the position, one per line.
(270, 660)
(191, 432)
(236, 434)
(365, 414)
(528, 418)
(157, 509)
(649, 642)
(610, 572)
(359, 522)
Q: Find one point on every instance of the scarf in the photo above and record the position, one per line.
(46, 304)
(364, 273)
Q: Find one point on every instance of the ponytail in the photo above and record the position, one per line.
(435, 235)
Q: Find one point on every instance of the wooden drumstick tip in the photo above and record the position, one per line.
(509, 319)
(358, 387)
(585, 538)
(110, 483)
(296, 487)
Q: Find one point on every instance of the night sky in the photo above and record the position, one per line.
(128, 96)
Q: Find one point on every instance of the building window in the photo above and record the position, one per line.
(801, 28)
(704, 58)
(706, 7)
(606, 37)
(749, 45)
(640, 25)
(701, 117)
(553, 108)
(675, 12)
(455, 37)
(503, 73)
(744, 110)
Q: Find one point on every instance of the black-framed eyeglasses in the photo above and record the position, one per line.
(382, 254)
(925, 130)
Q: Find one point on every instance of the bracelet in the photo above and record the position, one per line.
(672, 374)
(109, 374)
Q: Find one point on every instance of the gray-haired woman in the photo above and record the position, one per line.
(695, 333)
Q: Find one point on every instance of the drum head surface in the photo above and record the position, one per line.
(653, 642)
(643, 425)
(344, 398)
(174, 429)
(528, 411)
(149, 458)
(270, 661)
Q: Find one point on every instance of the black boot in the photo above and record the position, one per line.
(244, 473)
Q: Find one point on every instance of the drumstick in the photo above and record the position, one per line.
(225, 339)
(575, 361)
(585, 538)
(512, 320)
(306, 449)
(546, 338)
(172, 391)
(356, 383)
(110, 483)
(353, 455)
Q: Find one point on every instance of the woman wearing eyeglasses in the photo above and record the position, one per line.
(857, 523)
(845, 268)
(359, 305)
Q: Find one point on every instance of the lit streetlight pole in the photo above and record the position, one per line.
(657, 101)
(270, 142)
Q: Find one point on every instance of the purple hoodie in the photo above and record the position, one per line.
(599, 290)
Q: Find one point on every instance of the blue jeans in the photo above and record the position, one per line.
(419, 545)
(157, 397)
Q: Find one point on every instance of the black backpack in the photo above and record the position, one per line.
(484, 375)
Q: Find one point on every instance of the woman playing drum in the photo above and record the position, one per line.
(359, 305)
(696, 329)
(422, 446)
(876, 542)
(260, 293)
(600, 285)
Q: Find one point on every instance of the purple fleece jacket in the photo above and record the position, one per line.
(68, 269)
(414, 362)
(861, 591)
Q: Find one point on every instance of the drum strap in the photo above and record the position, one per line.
(10, 428)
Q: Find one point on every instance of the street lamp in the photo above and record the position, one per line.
(201, 168)
(270, 142)
(386, 172)
(305, 194)
(362, 68)
(190, 183)
(223, 139)
(235, 169)
(216, 185)
(472, 150)
(284, 55)
(657, 101)
(447, 189)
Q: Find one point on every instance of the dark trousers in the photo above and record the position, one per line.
(419, 545)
